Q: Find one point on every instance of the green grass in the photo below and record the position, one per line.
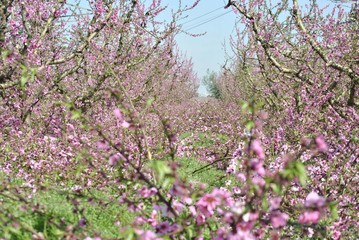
(57, 211)
(210, 175)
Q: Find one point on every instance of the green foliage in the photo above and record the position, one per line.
(333, 210)
(295, 169)
(26, 75)
(56, 209)
(211, 83)
(210, 176)
(163, 172)
(56, 213)
(203, 139)
(185, 135)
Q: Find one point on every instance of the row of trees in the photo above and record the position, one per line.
(62, 75)
(302, 62)
(98, 110)
(281, 33)
(118, 44)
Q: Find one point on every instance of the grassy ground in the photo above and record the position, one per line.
(195, 171)
(56, 210)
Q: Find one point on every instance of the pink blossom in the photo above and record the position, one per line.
(336, 235)
(82, 222)
(163, 227)
(118, 114)
(193, 211)
(241, 235)
(320, 144)
(237, 207)
(245, 226)
(257, 149)
(102, 144)
(139, 220)
(163, 209)
(231, 167)
(241, 176)
(200, 219)
(146, 235)
(305, 141)
(146, 193)
(279, 219)
(236, 190)
(113, 159)
(228, 218)
(257, 180)
(310, 232)
(314, 200)
(250, 216)
(174, 228)
(177, 206)
(207, 203)
(153, 218)
(135, 207)
(257, 166)
(125, 124)
(311, 217)
(180, 189)
(275, 203)
(223, 195)
(221, 234)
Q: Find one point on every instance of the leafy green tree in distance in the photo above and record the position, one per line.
(211, 83)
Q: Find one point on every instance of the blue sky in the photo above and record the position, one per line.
(208, 51)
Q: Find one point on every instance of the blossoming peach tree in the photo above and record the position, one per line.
(100, 125)
(301, 60)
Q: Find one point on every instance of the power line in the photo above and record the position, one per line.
(74, 15)
(189, 21)
(200, 24)
(78, 7)
(202, 15)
